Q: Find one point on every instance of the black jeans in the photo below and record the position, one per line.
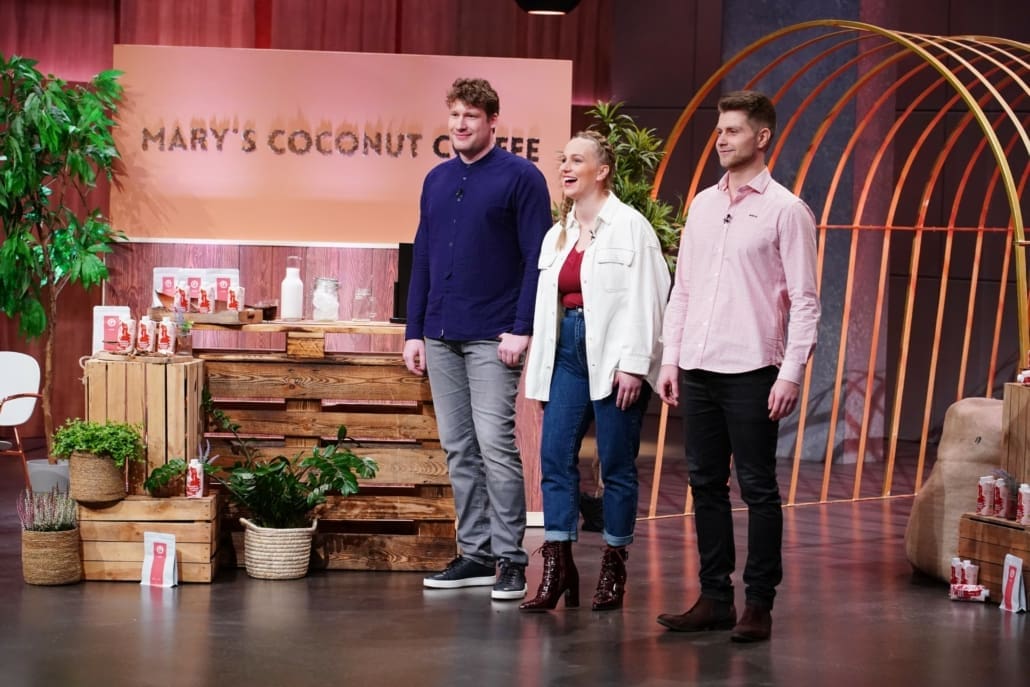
(724, 415)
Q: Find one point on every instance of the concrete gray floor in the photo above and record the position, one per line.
(849, 613)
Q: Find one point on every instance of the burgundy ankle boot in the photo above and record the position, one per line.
(560, 575)
(612, 584)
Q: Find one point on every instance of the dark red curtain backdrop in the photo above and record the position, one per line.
(73, 38)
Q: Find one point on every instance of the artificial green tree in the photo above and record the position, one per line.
(638, 152)
(55, 143)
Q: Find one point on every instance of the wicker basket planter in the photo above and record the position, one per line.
(277, 554)
(95, 479)
(51, 558)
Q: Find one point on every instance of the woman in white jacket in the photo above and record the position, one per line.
(595, 358)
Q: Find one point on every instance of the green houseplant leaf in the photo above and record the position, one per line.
(55, 143)
(638, 152)
(119, 441)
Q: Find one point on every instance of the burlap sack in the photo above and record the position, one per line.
(971, 445)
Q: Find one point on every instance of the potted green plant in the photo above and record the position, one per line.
(55, 143)
(49, 538)
(638, 152)
(170, 479)
(282, 495)
(98, 453)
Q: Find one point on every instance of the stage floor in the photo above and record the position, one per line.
(849, 613)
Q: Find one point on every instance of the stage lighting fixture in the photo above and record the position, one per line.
(552, 7)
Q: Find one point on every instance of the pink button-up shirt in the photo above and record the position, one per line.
(745, 281)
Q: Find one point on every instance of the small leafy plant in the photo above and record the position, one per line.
(119, 441)
(47, 511)
(163, 475)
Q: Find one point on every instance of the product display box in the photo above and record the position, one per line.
(112, 537)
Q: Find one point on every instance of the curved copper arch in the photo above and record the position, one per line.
(976, 75)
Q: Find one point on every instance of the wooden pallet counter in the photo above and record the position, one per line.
(290, 399)
(112, 537)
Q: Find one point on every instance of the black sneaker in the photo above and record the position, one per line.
(461, 572)
(511, 581)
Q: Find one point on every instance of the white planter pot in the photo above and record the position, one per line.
(44, 475)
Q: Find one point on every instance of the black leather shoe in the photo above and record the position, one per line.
(705, 615)
(754, 626)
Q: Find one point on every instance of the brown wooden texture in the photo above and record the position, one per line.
(294, 399)
(383, 552)
(1015, 458)
(178, 508)
(160, 396)
(437, 504)
(371, 378)
(112, 538)
(986, 541)
(131, 571)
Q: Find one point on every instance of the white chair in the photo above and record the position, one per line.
(19, 391)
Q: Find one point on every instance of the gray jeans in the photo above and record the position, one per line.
(474, 398)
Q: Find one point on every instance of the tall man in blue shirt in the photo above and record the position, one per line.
(484, 214)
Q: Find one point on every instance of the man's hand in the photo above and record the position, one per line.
(669, 384)
(415, 356)
(782, 399)
(512, 349)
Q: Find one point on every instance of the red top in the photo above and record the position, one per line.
(569, 286)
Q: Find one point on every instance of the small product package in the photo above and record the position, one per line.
(107, 321)
(968, 592)
(145, 335)
(970, 572)
(985, 496)
(235, 299)
(159, 563)
(1013, 593)
(1023, 505)
(126, 340)
(165, 336)
(194, 479)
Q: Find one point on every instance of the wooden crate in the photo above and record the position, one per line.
(290, 400)
(986, 540)
(112, 538)
(160, 394)
(1015, 457)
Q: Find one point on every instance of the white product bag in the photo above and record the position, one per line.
(159, 568)
(1013, 595)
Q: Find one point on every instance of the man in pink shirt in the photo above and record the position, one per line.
(739, 329)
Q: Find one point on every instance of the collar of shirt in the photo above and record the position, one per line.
(604, 217)
(758, 183)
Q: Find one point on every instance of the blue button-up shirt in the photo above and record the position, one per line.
(474, 267)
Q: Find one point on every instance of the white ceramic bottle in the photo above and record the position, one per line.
(291, 295)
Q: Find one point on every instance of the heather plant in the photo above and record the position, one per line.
(46, 511)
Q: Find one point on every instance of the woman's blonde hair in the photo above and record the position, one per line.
(606, 156)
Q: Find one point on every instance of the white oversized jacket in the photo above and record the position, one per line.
(625, 283)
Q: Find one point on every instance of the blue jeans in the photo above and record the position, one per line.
(474, 400)
(567, 416)
(726, 414)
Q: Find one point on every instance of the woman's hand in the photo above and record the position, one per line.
(627, 389)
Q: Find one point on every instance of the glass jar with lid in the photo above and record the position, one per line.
(364, 305)
(325, 300)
